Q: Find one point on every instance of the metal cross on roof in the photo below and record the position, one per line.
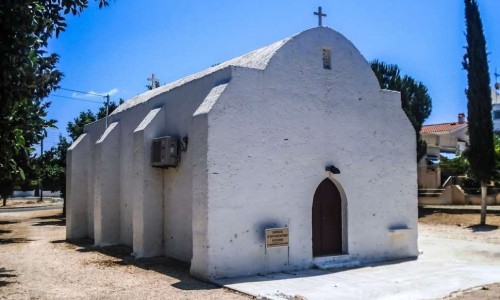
(153, 80)
(320, 15)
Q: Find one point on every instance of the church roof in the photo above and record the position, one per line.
(443, 127)
(257, 59)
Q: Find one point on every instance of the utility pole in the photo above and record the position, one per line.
(107, 109)
(40, 186)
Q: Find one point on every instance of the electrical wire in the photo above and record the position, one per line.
(81, 92)
(72, 98)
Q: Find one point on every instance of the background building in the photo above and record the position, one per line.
(444, 138)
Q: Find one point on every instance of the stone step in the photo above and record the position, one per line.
(335, 262)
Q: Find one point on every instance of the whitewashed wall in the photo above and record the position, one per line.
(178, 105)
(270, 136)
(259, 140)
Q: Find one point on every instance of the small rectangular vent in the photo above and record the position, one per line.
(165, 152)
(327, 59)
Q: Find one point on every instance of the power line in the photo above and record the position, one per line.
(72, 98)
(88, 93)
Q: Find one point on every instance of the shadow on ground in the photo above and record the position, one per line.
(4, 275)
(422, 212)
(482, 228)
(55, 220)
(7, 222)
(119, 255)
(4, 241)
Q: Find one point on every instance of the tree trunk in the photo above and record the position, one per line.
(4, 201)
(483, 202)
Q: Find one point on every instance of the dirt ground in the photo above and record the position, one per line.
(37, 263)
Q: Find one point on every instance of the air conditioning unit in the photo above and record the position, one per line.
(165, 152)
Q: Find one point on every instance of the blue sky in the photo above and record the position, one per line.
(114, 50)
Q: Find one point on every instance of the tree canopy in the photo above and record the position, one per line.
(28, 74)
(53, 167)
(415, 99)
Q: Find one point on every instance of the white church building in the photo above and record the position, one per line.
(296, 136)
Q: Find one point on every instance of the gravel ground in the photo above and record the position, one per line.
(36, 262)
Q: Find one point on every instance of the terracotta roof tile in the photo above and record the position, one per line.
(443, 127)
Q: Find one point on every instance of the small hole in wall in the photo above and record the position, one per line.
(327, 59)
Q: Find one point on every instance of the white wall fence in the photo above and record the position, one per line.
(25, 194)
(454, 195)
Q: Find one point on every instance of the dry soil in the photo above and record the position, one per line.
(37, 263)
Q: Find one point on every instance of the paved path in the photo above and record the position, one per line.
(31, 208)
(444, 267)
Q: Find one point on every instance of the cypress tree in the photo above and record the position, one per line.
(481, 153)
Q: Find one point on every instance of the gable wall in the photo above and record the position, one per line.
(270, 136)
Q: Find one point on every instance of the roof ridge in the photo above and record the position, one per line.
(443, 127)
(256, 59)
(456, 122)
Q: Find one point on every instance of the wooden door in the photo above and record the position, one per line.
(327, 220)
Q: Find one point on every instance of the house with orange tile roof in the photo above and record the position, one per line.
(451, 137)
(495, 102)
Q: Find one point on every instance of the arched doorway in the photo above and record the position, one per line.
(327, 220)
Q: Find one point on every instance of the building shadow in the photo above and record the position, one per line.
(5, 275)
(163, 265)
(482, 228)
(424, 211)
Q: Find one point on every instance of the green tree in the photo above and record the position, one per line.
(457, 166)
(53, 168)
(496, 143)
(75, 128)
(481, 154)
(112, 106)
(27, 75)
(415, 99)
